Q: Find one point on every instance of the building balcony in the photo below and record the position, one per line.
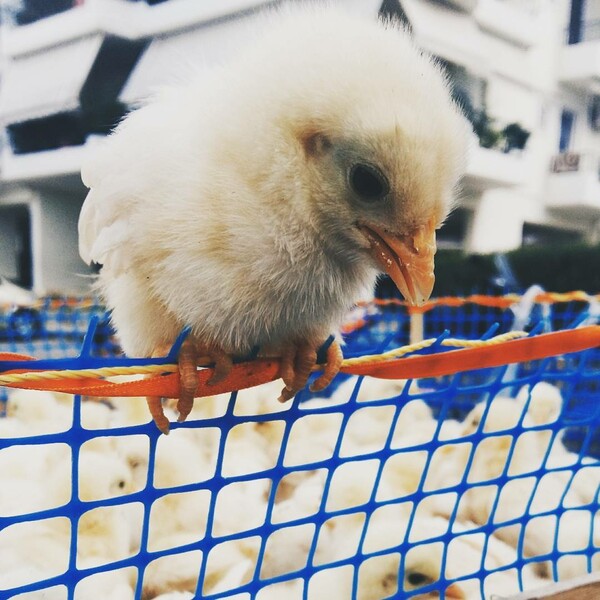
(122, 18)
(58, 169)
(28, 92)
(215, 43)
(507, 21)
(574, 185)
(84, 18)
(447, 33)
(168, 16)
(491, 168)
(579, 63)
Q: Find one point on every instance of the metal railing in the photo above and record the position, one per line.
(575, 162)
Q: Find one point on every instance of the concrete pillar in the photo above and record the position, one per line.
(497, 224)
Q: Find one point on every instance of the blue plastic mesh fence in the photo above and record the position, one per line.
(464, 486)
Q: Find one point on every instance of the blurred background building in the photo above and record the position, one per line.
(526, 72)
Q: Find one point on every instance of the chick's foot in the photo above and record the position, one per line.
(190, 355)
(297, 363)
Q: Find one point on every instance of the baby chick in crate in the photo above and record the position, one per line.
(256, 200)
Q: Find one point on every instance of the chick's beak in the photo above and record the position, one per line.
(408, 260)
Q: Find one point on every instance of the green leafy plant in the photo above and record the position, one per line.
(515, 137)
(489, 136)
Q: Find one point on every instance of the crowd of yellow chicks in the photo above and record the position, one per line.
(386, 452)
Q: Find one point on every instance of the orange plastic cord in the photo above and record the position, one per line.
(458, 361)
(483, 300)
(453, 301)
(260, 371)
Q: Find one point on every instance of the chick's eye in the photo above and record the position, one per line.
(368, 183)
(417, 579)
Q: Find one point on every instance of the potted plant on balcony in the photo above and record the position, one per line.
(515, 137)
(483, 125)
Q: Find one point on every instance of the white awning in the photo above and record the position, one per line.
(47, 82)
(169, 17)
(169, 58)
(447, 33)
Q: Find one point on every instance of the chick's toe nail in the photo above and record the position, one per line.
(216, 378)
(163, 427)
(286, 394)
(157, 413)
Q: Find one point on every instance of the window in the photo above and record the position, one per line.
(595, 113)
(576, 21)
(54, 131)
(567, 125)
(29, 11)
(468, 90)
(63, 129)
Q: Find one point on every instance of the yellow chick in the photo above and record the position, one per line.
(254, 202)
(175, 596)
(110, 585)
(172, 573)
(37, 412)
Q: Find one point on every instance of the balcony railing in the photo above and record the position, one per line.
(514, 22)
(575, 162)
(574, 184)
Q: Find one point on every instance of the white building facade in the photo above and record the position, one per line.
(526, 71)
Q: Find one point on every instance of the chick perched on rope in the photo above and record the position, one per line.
(255, 202)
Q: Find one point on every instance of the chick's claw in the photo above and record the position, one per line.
(222, 361)
(190, 356)
(158, 414)
(188, 379)
(330, 369)
(297, 363)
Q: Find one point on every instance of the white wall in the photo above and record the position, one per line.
(497, 222)
(592, 10)
(60, 267)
